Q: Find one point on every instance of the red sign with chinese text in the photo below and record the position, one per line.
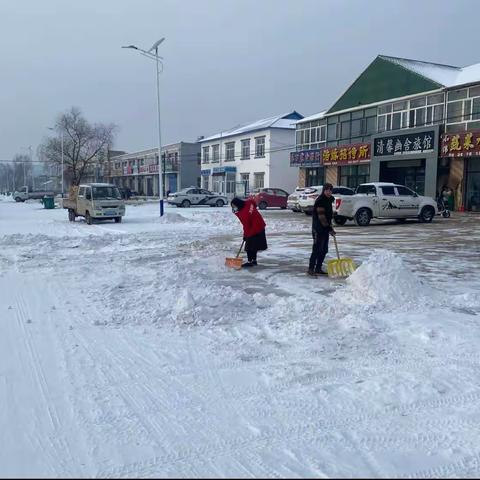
(346, 154)
(465, 144)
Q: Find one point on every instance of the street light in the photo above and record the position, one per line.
(154, 56)
(61, 142)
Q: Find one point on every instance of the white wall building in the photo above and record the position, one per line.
(251, 156)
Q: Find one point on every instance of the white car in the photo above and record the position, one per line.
(384, 200)
(196, 196)
(292, 200)
(307, 199)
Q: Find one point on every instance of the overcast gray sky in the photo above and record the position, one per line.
(226, 61)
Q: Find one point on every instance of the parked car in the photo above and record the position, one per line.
(196, 196)
(292, 200)
(384, 200)
(270, 197)
(307, 199)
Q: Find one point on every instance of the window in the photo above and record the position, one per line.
(434, 99)
(206, 154)
(404, 191)
(215, 153)
(246, 149)
(418, 102)
(476, 109)
(280, 193)
(370, 125)
(457, 95)
(245, 177)
(474, 92)
(367, 189)
(388, 190)
(258, 180)
(353, 175)
(259, 147)
(345, 130)
(314, 176)
(454, 112)
(332, 132)
(230, 151)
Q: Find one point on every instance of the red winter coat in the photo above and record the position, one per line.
(251, 219)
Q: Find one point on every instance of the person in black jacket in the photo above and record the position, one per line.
(321, 230)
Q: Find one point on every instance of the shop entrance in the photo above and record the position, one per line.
(410, 173)
(473, 185)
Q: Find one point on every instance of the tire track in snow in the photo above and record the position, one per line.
(61, 454)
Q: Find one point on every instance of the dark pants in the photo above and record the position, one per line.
(254, 244)
(319, 250)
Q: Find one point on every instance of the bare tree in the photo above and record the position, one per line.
(6, 177)
(22, 168)
(84, 144)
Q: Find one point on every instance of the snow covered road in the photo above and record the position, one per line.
(128, 350)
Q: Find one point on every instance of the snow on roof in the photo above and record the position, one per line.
(278, 121)
(445, 75)
(311, 118)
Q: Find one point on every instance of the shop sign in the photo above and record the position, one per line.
(465, 144)
(346, 154)
(305, 158)
(143, 169)
(205, 173)
(406, 144)
(153, 168)
(219, 170)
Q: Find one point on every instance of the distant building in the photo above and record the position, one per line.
(251, 156)
(139, 170)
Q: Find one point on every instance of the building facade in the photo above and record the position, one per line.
(416, 123)
(240, 160)
(139, 170)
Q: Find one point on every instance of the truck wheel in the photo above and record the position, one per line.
(71, 215)
(88, 218)
(18, 199)
(118, 219)
(339, 220)
(427, 214)
(186, 204)
(363, 217)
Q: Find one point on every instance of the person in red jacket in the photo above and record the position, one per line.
(253, 228)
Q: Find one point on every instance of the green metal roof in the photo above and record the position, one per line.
(392, 77)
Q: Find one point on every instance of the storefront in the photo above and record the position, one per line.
(463, 150)
(311, 172)
(408, 158)
(347, 165)
(223, 180)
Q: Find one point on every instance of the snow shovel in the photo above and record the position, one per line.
(342, 267)
(235, 262)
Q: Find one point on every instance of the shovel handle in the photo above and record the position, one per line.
(336, 246)
(240, 249)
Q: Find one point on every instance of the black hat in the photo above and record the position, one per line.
(237, 202)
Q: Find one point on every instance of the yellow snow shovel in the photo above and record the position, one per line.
(235, 262)
(342, 267)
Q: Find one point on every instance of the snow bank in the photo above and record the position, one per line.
(385, 282)
(6, 198)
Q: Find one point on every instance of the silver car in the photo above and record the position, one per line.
(196, 196)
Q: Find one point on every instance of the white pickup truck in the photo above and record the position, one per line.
(25, 193)
(383, 200)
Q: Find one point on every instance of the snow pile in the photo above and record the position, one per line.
(384, 281)
(6, 198)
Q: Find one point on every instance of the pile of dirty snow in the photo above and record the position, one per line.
(384, 281)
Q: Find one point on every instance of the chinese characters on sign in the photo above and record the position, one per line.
(465, 144)
(305, 158)
(413, 143)
(343, 155)
(346, 154)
